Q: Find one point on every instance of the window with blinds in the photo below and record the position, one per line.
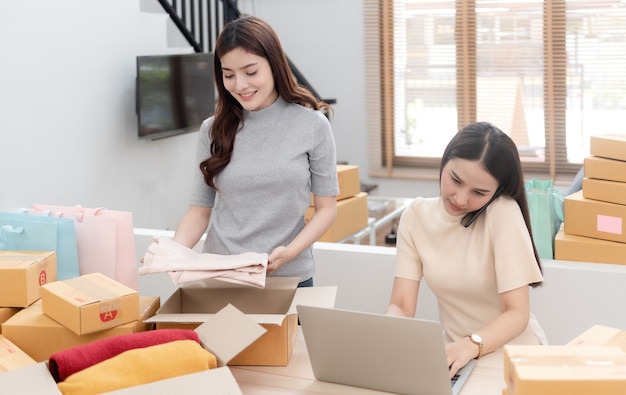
(548, 73)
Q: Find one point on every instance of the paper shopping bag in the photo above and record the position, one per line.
(23, 232)
(105, 238)
(545, 205)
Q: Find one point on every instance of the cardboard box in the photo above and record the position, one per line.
(22, 273)
(274, 308)
(594, 218)
(90, 303)
(605, 169)
(214, 336)
(549, 370)
(36, 379)
(605, 190)
(348, 180)
(31, 379)
(600, 335)
(6, 313)
(11, 357)
(586, 249)
(352, 216)
(213, 381)
(40, 336)
(612, 146)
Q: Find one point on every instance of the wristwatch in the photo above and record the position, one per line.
(476, 339)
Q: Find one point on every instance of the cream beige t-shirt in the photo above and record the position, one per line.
(467, 268)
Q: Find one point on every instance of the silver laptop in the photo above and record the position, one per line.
(377, 351)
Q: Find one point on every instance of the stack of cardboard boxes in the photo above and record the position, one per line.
(594, 229)
(351, 206)
(54, 315)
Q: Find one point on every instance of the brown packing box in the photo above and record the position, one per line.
(272, 307)
(549, 370)
(605, 169)
(612, 146)
(607, 191)
(352, 216)
(37, 379)
(600, 335)
(587, 249)
(11, 357)
(348, 180)
(6, 313)
(40, 336)
(90, 303)
(594, 218)
(22, 273)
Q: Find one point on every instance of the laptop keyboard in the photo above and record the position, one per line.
(454, 379)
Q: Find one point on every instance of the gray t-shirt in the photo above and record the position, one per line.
(282, 154)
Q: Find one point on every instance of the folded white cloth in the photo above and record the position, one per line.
(183, 264)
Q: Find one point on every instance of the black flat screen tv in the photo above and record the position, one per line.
(175, 93)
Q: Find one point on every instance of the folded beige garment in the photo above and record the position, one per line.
(140, 366)
(183, 264)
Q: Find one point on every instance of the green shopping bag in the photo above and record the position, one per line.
(545, 205)
(20, 231)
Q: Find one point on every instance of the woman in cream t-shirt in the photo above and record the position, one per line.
(474, 248)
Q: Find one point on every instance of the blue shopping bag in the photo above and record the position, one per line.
(36, 232)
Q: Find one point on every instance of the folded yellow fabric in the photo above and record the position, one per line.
(140, 366)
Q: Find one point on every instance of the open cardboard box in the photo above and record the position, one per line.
(272, 307)
(216, 336)
(32, 330)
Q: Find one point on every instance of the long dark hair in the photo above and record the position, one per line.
(498, 155)
(256, 37)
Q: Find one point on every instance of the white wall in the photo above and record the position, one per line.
(68, 125)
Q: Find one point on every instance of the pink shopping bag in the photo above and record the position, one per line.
(105, 241)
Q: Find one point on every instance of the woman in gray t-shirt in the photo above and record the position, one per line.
(266, 149)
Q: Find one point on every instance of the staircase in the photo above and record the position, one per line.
(201, 21)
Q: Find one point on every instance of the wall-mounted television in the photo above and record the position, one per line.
(175, 93)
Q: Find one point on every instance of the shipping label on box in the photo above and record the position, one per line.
(605, 190)
(22, 273)
(594, 218)
(588, 249)
(549, 370)
(605, 169)
(90, 303)
(31, 330)
(11, 357)
(612, 146)
(352, 217)
(273, 308)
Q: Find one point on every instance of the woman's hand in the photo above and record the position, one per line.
(460, 353)
(277, 258)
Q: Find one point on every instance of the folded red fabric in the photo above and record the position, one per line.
(71, 360)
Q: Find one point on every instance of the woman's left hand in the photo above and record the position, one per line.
(460, 353)
(277, 258)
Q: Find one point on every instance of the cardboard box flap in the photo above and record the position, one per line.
(227, 333)
(314, 296)
(32, 379)
(215, 381)
(89, 288)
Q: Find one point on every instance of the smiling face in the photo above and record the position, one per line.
(249, 79)
(466, 186)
